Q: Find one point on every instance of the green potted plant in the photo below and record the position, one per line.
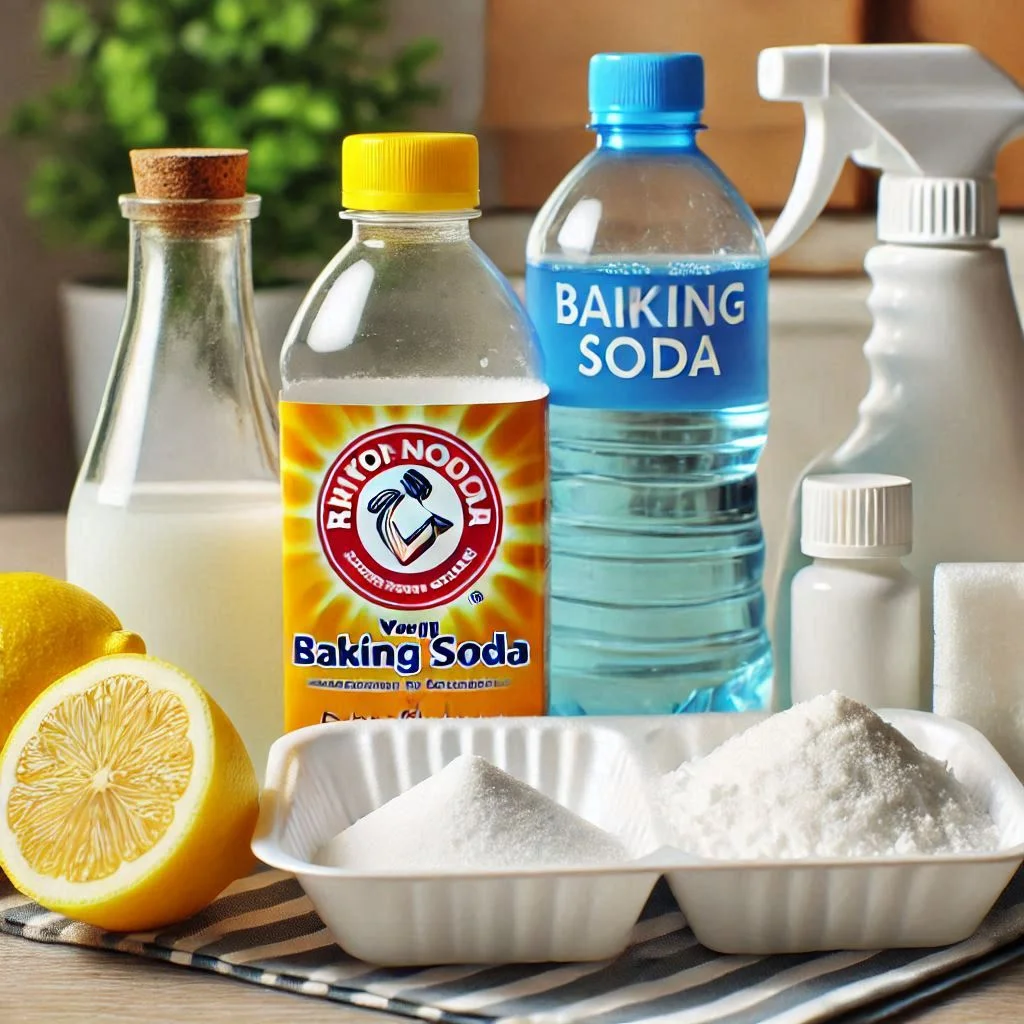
(284, 79)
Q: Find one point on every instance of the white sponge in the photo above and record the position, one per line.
(979, 651)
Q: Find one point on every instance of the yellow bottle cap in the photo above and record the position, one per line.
(410, 172)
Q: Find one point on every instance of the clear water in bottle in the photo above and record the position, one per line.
(647, 282)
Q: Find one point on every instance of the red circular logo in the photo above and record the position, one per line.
(409, 516)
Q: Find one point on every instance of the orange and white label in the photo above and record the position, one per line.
(414, 560)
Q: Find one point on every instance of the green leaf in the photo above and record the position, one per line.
(118, 57)
(304, 150)
(195, 37)
(30, 119)
(200, 40)
(149, 129)
(230, 15)
(280, 102)
(417, 54)
(46, 184)
(367, 113)
(136, 16)
(130, 95)
(214, 123)
(388, 83)
(67, 27)
(268, 162)
(321, 114)
(293, 26)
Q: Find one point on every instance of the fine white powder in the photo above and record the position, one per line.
(470, 815)
(827, 778)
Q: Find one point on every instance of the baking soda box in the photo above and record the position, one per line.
(414, 560)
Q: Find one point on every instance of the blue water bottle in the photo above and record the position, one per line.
(647, 281)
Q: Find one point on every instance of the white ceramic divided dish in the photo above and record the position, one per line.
(790, 906)
(321, 779)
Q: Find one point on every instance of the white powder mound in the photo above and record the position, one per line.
(470, 815)
(827, 778)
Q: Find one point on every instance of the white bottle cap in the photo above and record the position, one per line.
(937, 211)
(857, 515)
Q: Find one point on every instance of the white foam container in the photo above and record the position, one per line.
(796, 906)
(321, 779)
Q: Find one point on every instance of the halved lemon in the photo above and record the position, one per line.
(127, 798)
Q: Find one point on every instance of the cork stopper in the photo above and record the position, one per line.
(189, 173)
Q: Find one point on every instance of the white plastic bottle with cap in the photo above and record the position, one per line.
(946, 353)
(857, 609)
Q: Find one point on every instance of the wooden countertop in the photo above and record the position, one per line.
(42, 984)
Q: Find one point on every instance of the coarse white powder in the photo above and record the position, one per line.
(827, 778)
(470, 815)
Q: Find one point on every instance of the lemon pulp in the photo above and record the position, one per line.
(97, 783)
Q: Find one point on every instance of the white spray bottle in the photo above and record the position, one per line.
(946, 402)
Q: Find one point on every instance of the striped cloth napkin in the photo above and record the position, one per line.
(263, 930)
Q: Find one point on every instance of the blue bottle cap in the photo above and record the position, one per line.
(646, 88)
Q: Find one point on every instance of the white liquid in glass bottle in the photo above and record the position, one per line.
(175, 519)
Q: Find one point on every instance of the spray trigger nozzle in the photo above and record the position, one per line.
(912, 111)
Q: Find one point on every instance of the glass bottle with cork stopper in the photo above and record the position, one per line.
(175, 517)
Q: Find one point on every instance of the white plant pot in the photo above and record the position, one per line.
(92, 316)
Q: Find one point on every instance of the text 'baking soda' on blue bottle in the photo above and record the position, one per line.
(647, 282)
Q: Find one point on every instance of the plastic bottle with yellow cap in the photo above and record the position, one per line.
(413, 446)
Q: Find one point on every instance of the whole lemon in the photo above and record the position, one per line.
(48, 628)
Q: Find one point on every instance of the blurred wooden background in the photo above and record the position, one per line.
(535, 102)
